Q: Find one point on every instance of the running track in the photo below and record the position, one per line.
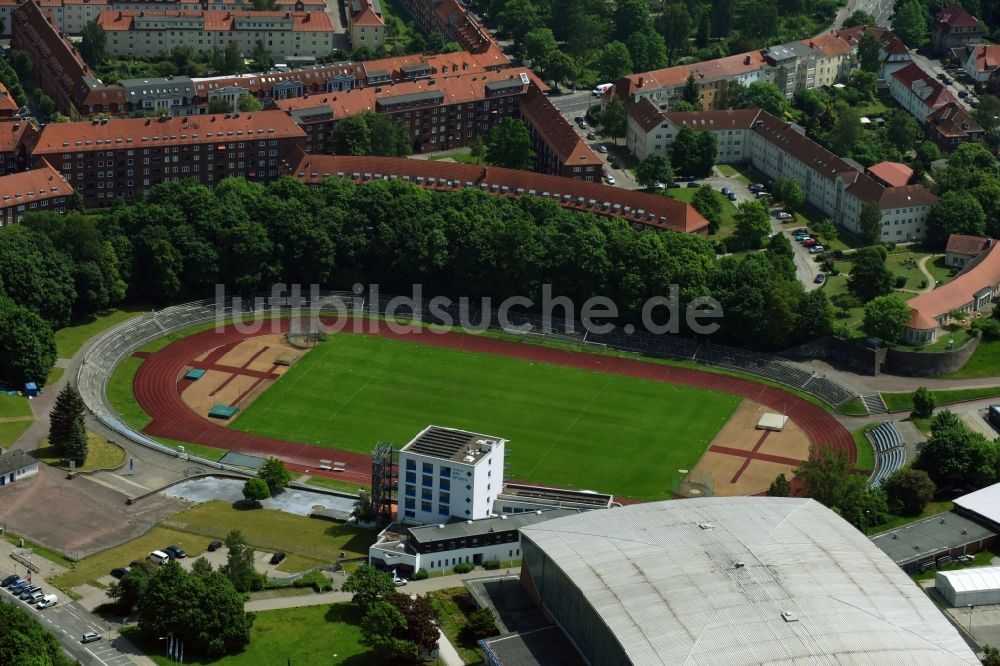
(156, 388)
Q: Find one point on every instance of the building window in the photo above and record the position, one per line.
(428, 468)
(411, 491)
(428, 481)
(410, 514)
(426, 493)
(445, 484)
(410, 502)
(426, 507)
(411, 477)
(445, 471)
(443, 510)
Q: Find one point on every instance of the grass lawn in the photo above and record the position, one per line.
(932, 509)
(101, 454)
(941, 273)
(55, 374)
(980, 559)
(121, 397)
(393, 14)
(567, 427)
(463, 158)
(308, 540)
(727, 170)
(898, 402)
(953, 337)
(985, 362)
(15, 417)
(328, 635)
(866, 455)
(853, 407)
(728, 223)
(72, 337)
(451, 619)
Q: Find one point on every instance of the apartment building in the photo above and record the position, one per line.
(8, 107)
(365, 24)
(835, 186)
(950, 125)
(981, 61)
(643, 211)
(59, 70)
(441, 112)
(16, 137)
(794, 66)
(834, 56)
(122, 157)
(954, 27)
(39, 190)
(156, 33)
(451, 19)
(893, 53)
(559, 150)
(918, 92)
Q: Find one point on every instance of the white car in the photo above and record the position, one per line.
(611, 179)
(784, 216)
(47, 600)
(602, 149)
(816, 249)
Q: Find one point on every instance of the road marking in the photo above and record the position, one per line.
(96, 657)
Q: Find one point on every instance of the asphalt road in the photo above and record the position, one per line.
(934, 67)
(573, 105)
(68, 621)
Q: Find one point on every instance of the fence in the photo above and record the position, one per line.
(101, 359)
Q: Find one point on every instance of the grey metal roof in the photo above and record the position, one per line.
(425, 96)
(789, 50)
(984, 502)
(15, 460)
(926, 538)
(468, 528)
(666, 579)
(546, 646)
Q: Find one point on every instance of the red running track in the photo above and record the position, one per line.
(156, 388)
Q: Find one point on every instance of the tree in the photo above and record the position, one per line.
(368, 585)
(779, 487)
(902, 130)
(828, 478)
(675, 26)
(789, 192)
(957, 457)
(690, 93)
(127, 591)
(704, 33)
(707, 202)
(910, 23)
(419, 617)
(255, 490)
(860, 17)
(956, 212)
(479, 625)
(93, 44)
(987, 114)
(886, 317)
(518, 18)
(509, 145)
(647, 49)
(371, 133)
(560, 67)
(869, 276)
(274, 474)
(815, 316)
(923, 403)
(66, 425)
(477, 147)
(908, 491)
(239, 566)
(539, 44)
(219, 105)
(201, 567)
(991, 656)
(693, 153)
(721, 16)
(262, 57)
(846, 302)
(22, 63)
(364, 508)
(767, 96)
(870, 223)
(232, 59)
(753, 225)
(846, 130)
(24, 642)
(380, 629)
(265, 5)
(614, 63)
(27, 345)
(613, 119)
(629, 16)
(247, 103)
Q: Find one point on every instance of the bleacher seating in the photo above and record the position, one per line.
(890, 454)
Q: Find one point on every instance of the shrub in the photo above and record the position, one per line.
(316, 580)
(720, 247)
(923, 284)
(491, 565)
(419, 574)
(890, 246)
(900, 281)
(838, 254)
(463, 567)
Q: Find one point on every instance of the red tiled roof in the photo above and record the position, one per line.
(970, 246)
(955, 16)
(710, 70)
(652, 210)
(34, 185)
(981, 273)
(341, 104)
(831, 44)
(789, 139)
(714, 120)
(646, 114)
(893, 174)
(7, 104)
(887, 39)
(906, 196)
(363, 13)
(15, 133)
(117, 21)
(145, 132)
(556, 131)
(987, 57)
(913, 74)
(952, 120)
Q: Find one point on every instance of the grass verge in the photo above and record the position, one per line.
(333, 484)
(985, 362)
(101, 454)
(899, 402)
(932, 509)
(450, 607)
(70, 338)
(866, 455)
(122, 398)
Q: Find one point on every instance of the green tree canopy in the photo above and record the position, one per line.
(910, 23)
(239, 567)
(274, 474)
(753, 224)
(923, 403)
(908, 491)
(93, 44)
(870, 223)
(66, 425)
(27, 345)
(779, 487)
(509, 145)
(693, 153)
(956, 212)
(767, 96)
(869, 276)
(886, 317)
(369, 585)
(860, 17)
(24, 642)
(255, 490)
(708, 203)
(789, 192)
(957, 457)
(614, 63)
(654, 169)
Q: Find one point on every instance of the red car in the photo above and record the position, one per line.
(810, 242)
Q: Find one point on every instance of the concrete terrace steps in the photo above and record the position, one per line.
(874, 404)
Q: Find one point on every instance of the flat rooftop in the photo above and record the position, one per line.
(470, 528)
(925, 538)
(458, 446)
(556, 495)
(541, 647)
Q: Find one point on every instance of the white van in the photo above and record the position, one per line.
(47, 600)
(159, 557)
(601, 89)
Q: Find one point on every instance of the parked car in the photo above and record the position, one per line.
(582, 124)
(277, 558)
(782, 215)
(761, 194)
(90, 637)
(577, 119)
(17, 588)
(809, 242)
(119, 572)
(399, 582)
(610, 179)
(805, 239)
(820, 278)
(757, 187)
(616, 163)
(693, 184)
(591, 136)
(602, 149)
(28, 591)
(963, 94)
(214, 546)
(658, 186)
(947, 81)
(816, 249)
(942, 75)
(725, 191)
(34, 597)
(175, 552)
(47, 601)
(9, 580)
(731, 196)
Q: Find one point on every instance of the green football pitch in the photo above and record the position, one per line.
(566, 427)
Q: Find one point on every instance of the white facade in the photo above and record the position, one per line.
(977, 587)
(16, 466)
(446, 473)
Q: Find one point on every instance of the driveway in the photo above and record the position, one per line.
(934, 67)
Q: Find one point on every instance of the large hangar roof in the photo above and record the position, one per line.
(984, 502)
(746, 580)
(973, 580)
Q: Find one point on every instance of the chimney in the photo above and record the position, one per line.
(642, 80)
(746, 60)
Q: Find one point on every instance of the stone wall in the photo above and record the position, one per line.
(841, 354)
(929, 364)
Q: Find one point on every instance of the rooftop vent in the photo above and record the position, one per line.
(789, 616)
(441, 526)
(739, 565)
(706, 526)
